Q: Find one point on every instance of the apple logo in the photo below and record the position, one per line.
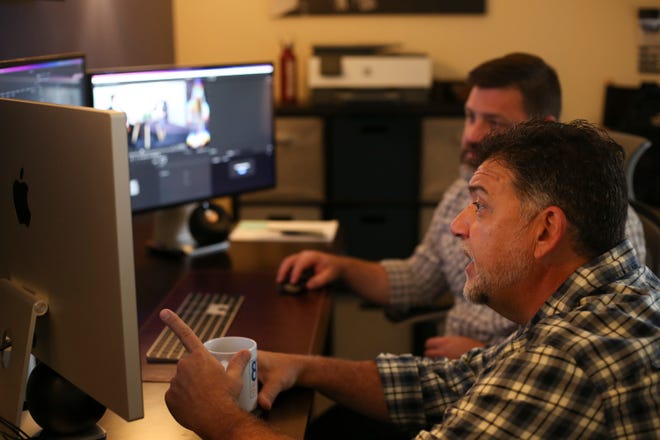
(21, 201)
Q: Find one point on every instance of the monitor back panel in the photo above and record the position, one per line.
(77, 250)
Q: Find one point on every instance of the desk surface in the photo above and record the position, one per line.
(283, 323)
(294, 324)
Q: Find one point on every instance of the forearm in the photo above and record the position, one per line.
(354, 384)
(366, 278)
(239, 425)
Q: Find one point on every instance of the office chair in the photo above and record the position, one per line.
(650, 218)
(424, 320)
(634, 146)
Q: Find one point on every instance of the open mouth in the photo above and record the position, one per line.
(469, 156)
(469, 267)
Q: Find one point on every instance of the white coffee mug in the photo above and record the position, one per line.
(223, 349)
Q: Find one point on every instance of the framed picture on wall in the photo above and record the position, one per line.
(283, 8)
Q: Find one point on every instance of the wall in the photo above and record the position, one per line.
(109, 32)
(589, 42)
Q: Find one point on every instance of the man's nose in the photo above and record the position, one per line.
(459, 226)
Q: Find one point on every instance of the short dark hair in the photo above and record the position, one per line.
(534, 78)
(574, 166)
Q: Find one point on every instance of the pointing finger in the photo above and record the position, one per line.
(185, 334)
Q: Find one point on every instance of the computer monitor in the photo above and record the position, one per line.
(58, 78)
(67, 245)
(194, 133)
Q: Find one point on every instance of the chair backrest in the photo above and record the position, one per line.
(650, 219)
(635, 146)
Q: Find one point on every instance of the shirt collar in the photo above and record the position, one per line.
(601, 271)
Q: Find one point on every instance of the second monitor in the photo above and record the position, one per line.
(194, 134)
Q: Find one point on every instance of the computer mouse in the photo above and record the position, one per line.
(288, 288)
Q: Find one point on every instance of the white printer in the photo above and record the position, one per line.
(340, 74)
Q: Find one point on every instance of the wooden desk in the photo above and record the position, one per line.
(279, 323)
(155, 276)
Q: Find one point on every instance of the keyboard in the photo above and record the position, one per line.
(208, 314)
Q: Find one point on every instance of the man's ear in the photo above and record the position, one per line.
(550, 118)
(551, 226)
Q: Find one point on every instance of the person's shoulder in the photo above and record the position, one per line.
(619, 319)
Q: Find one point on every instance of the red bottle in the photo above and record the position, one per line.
(288, 75)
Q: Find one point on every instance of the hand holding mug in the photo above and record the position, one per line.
(201, 381)
(224, 349)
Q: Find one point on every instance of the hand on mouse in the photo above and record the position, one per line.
(290, 288)
(322, 269)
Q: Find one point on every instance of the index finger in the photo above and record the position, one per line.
(185, 334)
(285, 267)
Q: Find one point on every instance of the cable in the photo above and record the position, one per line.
(9, 431)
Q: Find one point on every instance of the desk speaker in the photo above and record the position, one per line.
(209, 224)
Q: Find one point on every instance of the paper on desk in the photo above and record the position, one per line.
(285, 230)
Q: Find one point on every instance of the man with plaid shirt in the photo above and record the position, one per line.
(504, 91)
(545, 244)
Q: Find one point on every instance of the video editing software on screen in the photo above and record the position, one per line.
(58, 79)
(194, 133)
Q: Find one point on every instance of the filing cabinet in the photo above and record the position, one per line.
(378, 231)
(380, 174)
(373, 164)
(300, 173)
(373, 159)
(441, 140)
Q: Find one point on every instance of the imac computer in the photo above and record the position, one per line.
(67, 283)
(58, 78)
(194, 134)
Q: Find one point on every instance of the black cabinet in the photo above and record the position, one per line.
(379, 170)
(374, 232)
(373, 182)
(374, 159)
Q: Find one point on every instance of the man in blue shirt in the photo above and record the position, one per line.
(545, 246)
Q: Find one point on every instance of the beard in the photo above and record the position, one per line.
(510, 267)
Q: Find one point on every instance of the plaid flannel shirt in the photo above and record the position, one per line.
(586, 366)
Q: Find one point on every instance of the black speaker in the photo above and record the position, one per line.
(209, 224)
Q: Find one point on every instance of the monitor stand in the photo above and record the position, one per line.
(172, 236)
(18, 317)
